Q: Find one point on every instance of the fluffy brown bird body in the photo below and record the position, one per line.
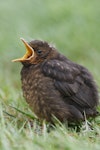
(55, 86)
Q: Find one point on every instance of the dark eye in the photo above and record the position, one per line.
(39, 51)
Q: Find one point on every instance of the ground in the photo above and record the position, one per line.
(74, 27)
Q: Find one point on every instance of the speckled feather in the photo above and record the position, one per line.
(55, 86)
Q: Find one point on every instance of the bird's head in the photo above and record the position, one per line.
(36, 52)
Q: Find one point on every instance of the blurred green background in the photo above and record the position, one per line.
(73, 26)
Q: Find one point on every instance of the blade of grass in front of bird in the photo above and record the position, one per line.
(8, 114)
(24, 113)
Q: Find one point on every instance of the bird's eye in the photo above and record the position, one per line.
(39, 51)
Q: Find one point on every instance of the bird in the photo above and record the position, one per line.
(56, 87)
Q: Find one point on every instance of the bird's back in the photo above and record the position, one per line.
(76, 85)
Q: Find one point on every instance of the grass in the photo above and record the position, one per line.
(74, 27)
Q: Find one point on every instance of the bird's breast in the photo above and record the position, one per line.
(36, 89)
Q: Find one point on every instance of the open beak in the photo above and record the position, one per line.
(29, 53)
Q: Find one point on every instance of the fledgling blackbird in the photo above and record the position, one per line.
(55, 86)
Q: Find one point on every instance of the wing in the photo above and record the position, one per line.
(67, 80)
(60, 70)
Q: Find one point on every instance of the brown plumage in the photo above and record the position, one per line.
(55, 86)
